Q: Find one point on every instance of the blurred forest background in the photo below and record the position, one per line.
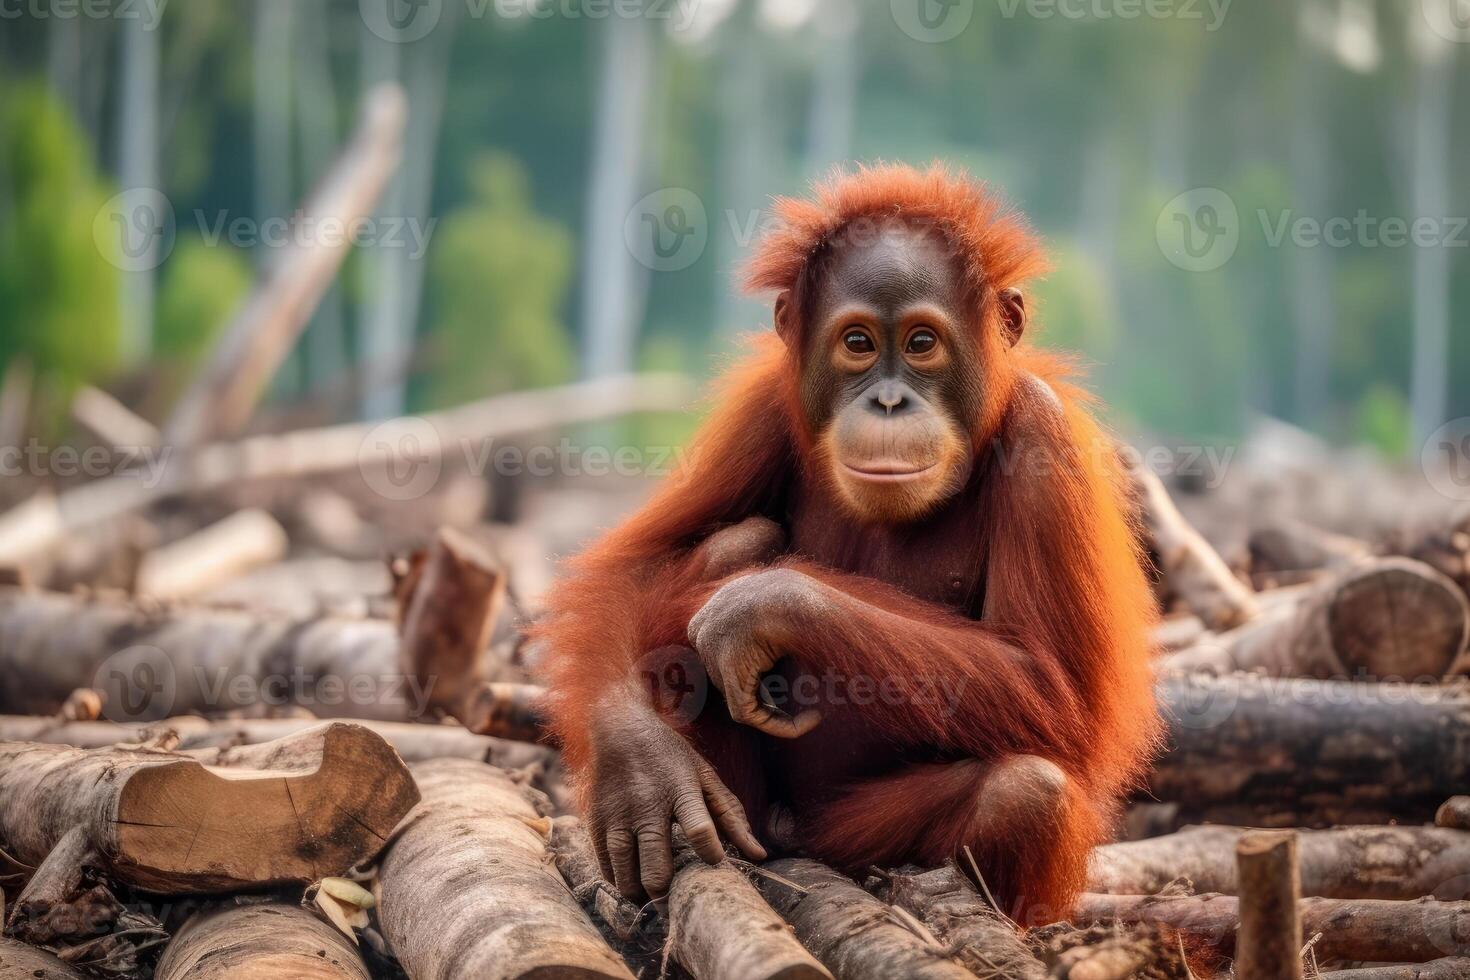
(548, 141)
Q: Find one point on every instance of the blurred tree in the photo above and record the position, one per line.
(498, 275)
(58, 290)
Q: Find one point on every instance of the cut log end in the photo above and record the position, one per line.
(225, 826)
(263, 942)
(1398, 618)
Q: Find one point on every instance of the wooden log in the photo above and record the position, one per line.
(578, 865)
(204, 739)
(1343, 862)
(1390, 619)
(448, 620)
(262, 332)
(507, 710)
(154, 661)
(1454, 814)
(289, 811)
(111, 422)
(1269, 941)
(1288, 752)
(986, 942)
(1192, 568)
(209, 557)
(467, 888)
(272, 941)
(1287, 545)
(855, 935)
(36, 525)
(1364, 930)
(721, 929)
(1450, 968)
(21, 961)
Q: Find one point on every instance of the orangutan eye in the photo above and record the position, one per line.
(921, 342)
(858, 342)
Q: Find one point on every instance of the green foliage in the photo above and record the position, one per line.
(1074, 308)
(201, 287)
(498, 274)
(1383, 421)
(58, 291)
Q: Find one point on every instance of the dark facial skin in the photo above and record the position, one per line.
(889, 382)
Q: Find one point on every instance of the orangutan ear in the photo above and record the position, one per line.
(785, 319)
(1012, 315)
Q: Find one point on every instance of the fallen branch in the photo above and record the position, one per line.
(1191, 567)
(467, 888)
(851, 932)
(961, 918)
(1391, 618)
(1343, 862)
(1287, 545)
(1297, 752)
(721, 929)
(1364, 930)
(578, 865)
(289, 811)
(262, 332)
(42, 520)
(263, 942)
(507, 710)
(246, 539)
(1269, 941)
(1453, 968)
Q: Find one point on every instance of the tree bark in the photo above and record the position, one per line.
(578, 865)
(448, 621)
(289, 811)
(467, 888)
(1387, 863)
(854, 934)
(272, 941)
(1363, 930)
(1269, 941)
(205, 739)
(721, 929)
(1453, 968)
(986, 942)
(1391, 619)
(19, 961)
(1191, 567)
(1296, 752)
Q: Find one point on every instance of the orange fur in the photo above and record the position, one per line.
(1057, 666)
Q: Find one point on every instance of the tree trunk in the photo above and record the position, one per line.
(721, 929)
(289, 811)
(205, 739)
(1363, 930)
(1269, 941)
(987, 942)
(851, 932)
(1391, 619)
(1296, 752)
(1387, 863)
(262, 942)
(467, 888)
